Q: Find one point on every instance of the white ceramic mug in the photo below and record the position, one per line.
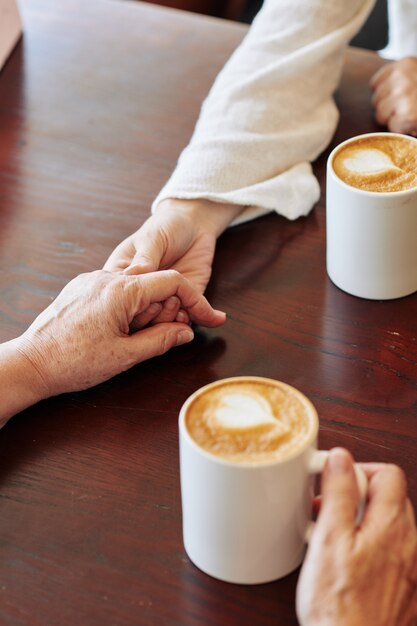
(371, 237)
(249, 523)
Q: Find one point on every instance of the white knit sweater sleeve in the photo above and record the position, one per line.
(270, 111)
(402, 17)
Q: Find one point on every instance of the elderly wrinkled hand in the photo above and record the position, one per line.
(367, 574)
(88, 334)
(395, 96)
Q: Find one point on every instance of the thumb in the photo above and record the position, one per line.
(150, 250)
(340, 494)
(156, 340)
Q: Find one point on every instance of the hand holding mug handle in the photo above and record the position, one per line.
(316, 465)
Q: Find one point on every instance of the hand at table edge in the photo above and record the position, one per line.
(394, 97)
(365, 573)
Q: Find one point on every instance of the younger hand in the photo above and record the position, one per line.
(171, 239)
(181, 235)
(84, 337)
(395, 96)
(366, 575)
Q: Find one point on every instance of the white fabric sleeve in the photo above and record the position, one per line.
(270, 111)
(402, 19)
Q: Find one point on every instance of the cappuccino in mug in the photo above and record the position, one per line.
(371, 216)
(379, 163)
(249, 420)
(248, 455)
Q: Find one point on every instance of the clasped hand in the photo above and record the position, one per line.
(362, 575)
(182, 236)
(395, 96)
(89, 333)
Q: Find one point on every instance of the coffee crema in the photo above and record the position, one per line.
(250, 420)
(379, 163)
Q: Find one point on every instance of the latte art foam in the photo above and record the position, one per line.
(380, 163)
(250, 422)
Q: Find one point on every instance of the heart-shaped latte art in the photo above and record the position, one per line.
(368, 161)
(245, 411)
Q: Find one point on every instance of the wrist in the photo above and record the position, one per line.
(21, 384)
(212, 217)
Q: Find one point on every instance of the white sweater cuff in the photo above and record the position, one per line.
(292, 194)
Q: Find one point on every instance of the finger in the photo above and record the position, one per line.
(141, 267)
(150, 247)
(169, 311)
(381, 92)
(370, 469)
(143, 319)
(120, 257)
(387, 495)
(381, 75)
(156, 340)
(399, 123)
(339, 492)
(384, 110)
(182, 317)
(161, 285)
(411, 518)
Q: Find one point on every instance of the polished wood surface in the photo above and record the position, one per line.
(95, 105)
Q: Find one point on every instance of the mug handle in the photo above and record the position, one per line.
(316, 465)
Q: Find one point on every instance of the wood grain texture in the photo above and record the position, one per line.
(95, 106)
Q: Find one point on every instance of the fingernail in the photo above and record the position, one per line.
(220, 312)
(182, 316)
(154, 308)
(139, 267)
(184, 336)
(339, 460)
(171, 303)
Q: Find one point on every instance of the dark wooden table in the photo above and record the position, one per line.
(95, 105)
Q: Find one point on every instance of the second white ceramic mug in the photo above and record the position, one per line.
(371, 237)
